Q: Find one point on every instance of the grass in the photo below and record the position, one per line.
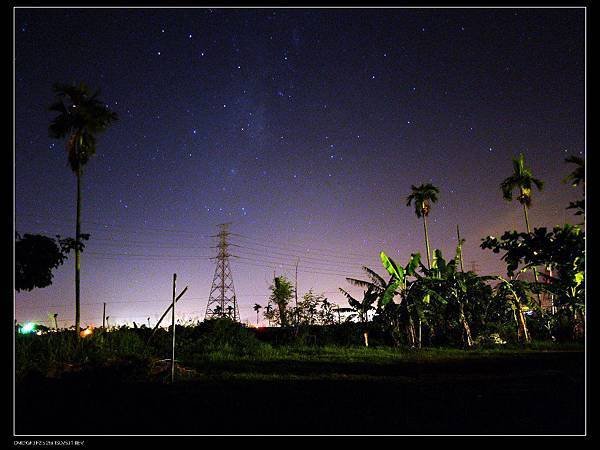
(229, 377)
(242, 356)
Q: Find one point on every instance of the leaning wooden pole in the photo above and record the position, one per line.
(173, 325)
(164, 315)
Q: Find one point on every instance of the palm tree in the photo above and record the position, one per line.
(268, 311)
(257, 308)
(423, 196)
(578, 175)
(81, 116)
(575, 178)
(523, 180)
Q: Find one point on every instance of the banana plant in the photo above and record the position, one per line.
(514, 291)
(452, 287)
(412, 301)
(362, 307)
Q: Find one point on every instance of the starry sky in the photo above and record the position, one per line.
(304, 128)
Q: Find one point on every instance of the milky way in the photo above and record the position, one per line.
(305, 128)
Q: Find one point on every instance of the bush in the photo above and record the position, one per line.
(220, 335)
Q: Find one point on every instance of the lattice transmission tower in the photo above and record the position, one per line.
(222, 301)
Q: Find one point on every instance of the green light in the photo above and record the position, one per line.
(29, 327)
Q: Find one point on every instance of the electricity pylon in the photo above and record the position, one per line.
(222, 301)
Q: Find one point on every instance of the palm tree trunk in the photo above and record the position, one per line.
(419, 325)
(526, 218)
(77, 253)
(535, 277)
(427, 242)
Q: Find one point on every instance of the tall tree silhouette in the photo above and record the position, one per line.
(81, 117)
(282, 291)
(256, 308)
(522, 180)
(423, 196)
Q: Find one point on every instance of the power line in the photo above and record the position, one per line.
(330, 252)
(265, 259)
(288, 246)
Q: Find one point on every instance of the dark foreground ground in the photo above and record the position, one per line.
(533, 393)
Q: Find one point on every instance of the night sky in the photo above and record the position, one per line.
(305, 128)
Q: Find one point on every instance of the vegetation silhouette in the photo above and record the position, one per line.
(81, 117)
(37, 255)
(576, 178)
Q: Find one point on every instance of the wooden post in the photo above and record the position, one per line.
(173, 325)
(104, 317)
(296, 290)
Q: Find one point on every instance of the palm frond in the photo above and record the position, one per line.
(375, 277)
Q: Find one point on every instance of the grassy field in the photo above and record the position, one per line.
(314, 390)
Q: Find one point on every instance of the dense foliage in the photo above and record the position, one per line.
(36, 256)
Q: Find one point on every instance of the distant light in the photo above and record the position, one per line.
(87, 332)
(27, 328)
